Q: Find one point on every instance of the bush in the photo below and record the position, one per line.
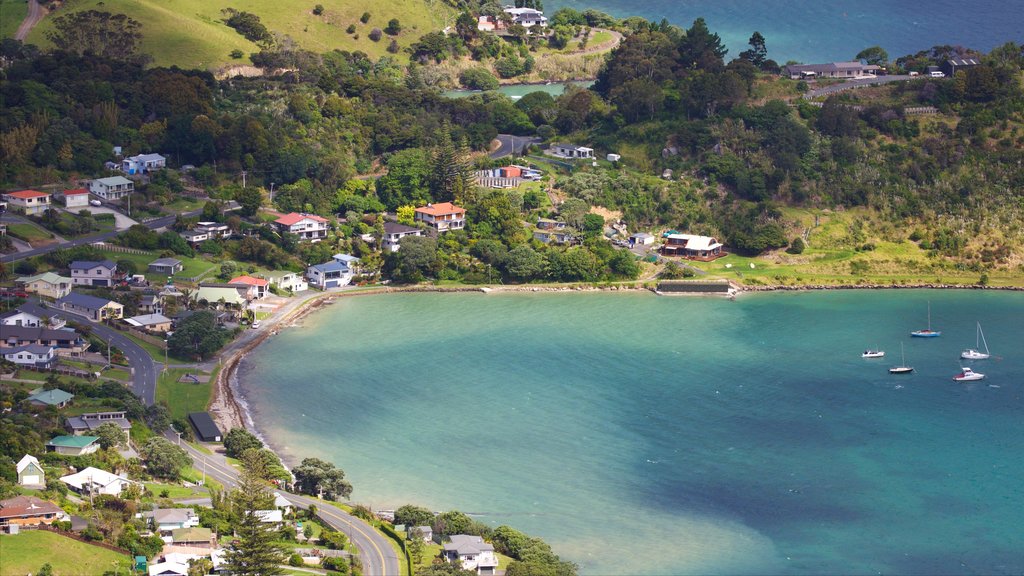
(335, 565)
(375, 34)
(295, 560)
(478, 79)
(509, 67)
(797, 246)
(393, 27)
(318, 9)
(393, 46)
(365, 17)
(351, 29)
(236, 54)
(26, 267)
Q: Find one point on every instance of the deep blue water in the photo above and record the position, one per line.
(827, 30)
(655, 435)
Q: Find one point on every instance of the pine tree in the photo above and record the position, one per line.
(451, 172)
(253, 553)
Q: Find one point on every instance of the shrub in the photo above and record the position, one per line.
(509, 67)
(318, 9)
(375, 34)
(365, 17)
(393, 27)
(797, 246)
(295, 560)
(478, 79)
(236, 54)
(351, 29)
(393, 46)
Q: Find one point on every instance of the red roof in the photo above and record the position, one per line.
(27, 507)
(27, 194)
(441, 209)
(295, 218)
(76, 192)
(249, 280)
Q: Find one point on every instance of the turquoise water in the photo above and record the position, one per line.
(517, 91)
(827, 30)
(655, 435)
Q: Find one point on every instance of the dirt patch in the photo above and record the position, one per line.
(608, 215)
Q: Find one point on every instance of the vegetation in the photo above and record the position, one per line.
(319, 478)
(254, 551)
(29, 551)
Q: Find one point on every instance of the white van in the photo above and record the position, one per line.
(937, 74)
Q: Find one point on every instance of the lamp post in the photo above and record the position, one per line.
(271, 194)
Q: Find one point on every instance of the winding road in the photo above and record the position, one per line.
(35, 14)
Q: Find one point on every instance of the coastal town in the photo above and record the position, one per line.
(158, 225)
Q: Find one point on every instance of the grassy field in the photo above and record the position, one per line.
(181, 397)
(12, 12)
(28, 551)
(191, 34)
(192, 267)
(29, 233)
(173, 490)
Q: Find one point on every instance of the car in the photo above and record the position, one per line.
(95, 202)
(937, 74)
(912, 73)
(255, 324)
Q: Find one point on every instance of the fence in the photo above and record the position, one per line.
(121, 249)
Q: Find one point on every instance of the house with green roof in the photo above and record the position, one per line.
(213, 295)
(197, 537)
(47, 284)
(55, 397)
(73, 445)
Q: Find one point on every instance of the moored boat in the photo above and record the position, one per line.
(902, 368)
(873, 353)
(928, 332)
(967, 375)
(976, 353)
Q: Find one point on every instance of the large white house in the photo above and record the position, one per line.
(28, 201)
(95, 481)
(143, 163)
(308, 227)
(112, 188)
(471, 553)
(86, 273)
(331, 274)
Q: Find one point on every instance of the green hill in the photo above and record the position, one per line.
(27, 552)
(191, 34)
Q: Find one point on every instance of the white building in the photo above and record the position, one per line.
(28, 201)
(570, 151)
(77, 198)
(331, 274)
(394, 232)
(36, 355)
(113, 188)
(472, 553)
(143, 163)
(308, 227)
(95, 481)
(527, 17)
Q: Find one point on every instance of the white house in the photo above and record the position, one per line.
(143, 163)
(570, 151)
(527, 17)
(96, 481)
(28, 201)
(442, 217)
(20, 318)
(112, 188)
(77, 198)
(30, 473)
(308, 227)
(331, 274)
(692, 246)
(285, 280)
(36, 355)
(282, 503)
(269, 516)
(86, 273)
(167, 519)
(168, 569)
(641, 239)
(472, 553)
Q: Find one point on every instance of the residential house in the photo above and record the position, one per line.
(206, 428)
(282, 503)
(285, 280)
(31, 355)
(54, 397)
(571, 151)
(308, 227)
(394, 232)
(527, 17)
(556, 236)
(442, 217)
(73, 445)
(151, 304)
(506, 176)
(165, 266)
(269, 516)
(954, 65)
(641, 239)
(28, 201)
(28, 511)
(66, 341)
(168, 519)
(425, 533)
(348, 260)
(214, 229)
(143, 163)
(168, 569)
(21, 318)
(194, 236)
(95, 481)
(79, 425)
(331, 274)
(197, 537)
(549, 224)
(259, 285)
(705, 248)
(150, 322)
(218, 295)
(86, 273)
(91, 307)
(47, 284)
(830, 70)
(30, 472)
(112, 188)
(471, 553)
(76, 198)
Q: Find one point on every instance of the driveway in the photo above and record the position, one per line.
(121, 222)
(509, 145)
(849, 84)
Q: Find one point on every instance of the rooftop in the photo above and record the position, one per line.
(148, 320)
(440, 209)
(72, 441)
(332, 266)
(166, 262)
(27, 194)
(53, 397)
(85, 301)
(114, 181)
(32, 349)
(396, 228)
(191, 535)
(248, 280)
(76, 192)
(22, 506)
(89, 265)
(48, 277)
(295, 218)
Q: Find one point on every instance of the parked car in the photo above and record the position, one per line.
(95, 202)
(938, 74)
(255, 324)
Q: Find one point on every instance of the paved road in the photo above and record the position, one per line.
(35, 14)
(849, 84)
(509, 145)
(375, 551)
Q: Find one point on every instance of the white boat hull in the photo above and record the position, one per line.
(974, 355)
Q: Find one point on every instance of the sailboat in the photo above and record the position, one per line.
(976, 353)
(966, 375)
(902, 368)
(929, 333)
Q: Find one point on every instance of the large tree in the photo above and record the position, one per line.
(253, 552)
(198, 336)
(758, 52)
(238, 440)
(411, 515)
(113, 36)
(163, 459)
(317, 477)
(111, 435)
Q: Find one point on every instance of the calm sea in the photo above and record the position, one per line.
(827, 30)
(655, 435)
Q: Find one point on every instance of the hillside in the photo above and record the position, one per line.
(191, 34)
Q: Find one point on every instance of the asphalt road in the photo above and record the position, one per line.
(509, 145)
(35, 14)
(375, 551)
(849, 84)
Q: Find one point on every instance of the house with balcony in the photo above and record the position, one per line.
(79, 425)
(48, 284)
(570, 151)
(21, 318)
(31, 355)
(28, 201)
(308, 227)
(28, 511)
(692, 247)
(442, 217)
(470, 553)
(285, 280)
(91, 307)
(112, 188)
(143, 163)
(394, 232)
(331, 274)
(86, 273)
(151, 304)
(260, 286)
(65, 341)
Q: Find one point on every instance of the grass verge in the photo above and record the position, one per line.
(181, 397)
(27, 552)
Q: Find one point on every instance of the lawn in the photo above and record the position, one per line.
(25, 553)
(28, 232)
(174, 491)
(192, 267)
(12, 12)
(181, 397)
(155, 352)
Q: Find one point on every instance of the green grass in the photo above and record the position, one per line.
(140, 433)
(181, 397)
(28, 551)
(12, 12)
(192, 267)
(156, 352)
(191, 34)
(28, 232)
(174, 491)
(195, 475)
(81, 405)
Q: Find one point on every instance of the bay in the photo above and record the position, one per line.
(517, 91)
(655, 435)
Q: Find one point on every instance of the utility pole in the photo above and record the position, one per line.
(243, 178)
(271, 194)
(108, 353)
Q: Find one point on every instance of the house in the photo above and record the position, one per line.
(34, 355)
(47, 284)
(76, 198)
(308, 227)
(66, 341)
(954, 65)
(394, 232)
(166, 266)
(28, 201)
(556, 236)
(527, 17)
(269, 516)
(53, 397)
(96, 481)
(282, 503)
(143, 163)
(213, 229)
(641, 239)
(168, 569)
(86, 273)
(830, 70)
(426, 533)
(692, 246)
(549, 224)
(348, 260)
(90, 421)
(28, 511)
(194, 236)
(570, 151)
(471, 553)
(285, 280)
(73, 445)
(112, 188)
(30, 472)
(442, 217)
(21, 318)
(198, 537)
(150, 322)
(260, 286)
(216, 295)
(151, 304)
(206, 428)
(168, 519)
(93, 308)
(331, 274)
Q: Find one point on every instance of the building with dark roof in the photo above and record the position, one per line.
(954, 65)
(85, 273)
(66, 341)
(830, 70)
(93, 308)
(206, 429)
(394, 232)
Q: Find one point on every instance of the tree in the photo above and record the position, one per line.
(238, 440)
(393, 28)
(163, 459)
(318, 9)
(250, 199)
(114, 36)
(450, 174)
(524, 263)
(758, 52)
(110, 435)
(452, 522)
(417, 259)
(411, 515)
(874, 55)
(253, 552)
(701, 49)
(198, 336)
(126, 266)
(443, 569)
(365, 17)
(319, 478)
(158, 417)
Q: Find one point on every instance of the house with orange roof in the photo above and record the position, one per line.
(261, 286)
(76, 198)
(28, 201)
(308, 227)
(442, 217)
(28, 511)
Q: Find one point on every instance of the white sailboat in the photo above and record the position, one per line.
(976, 353)
(902, 368)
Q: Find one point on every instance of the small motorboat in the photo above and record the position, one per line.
(967, 375)
(870, 353)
